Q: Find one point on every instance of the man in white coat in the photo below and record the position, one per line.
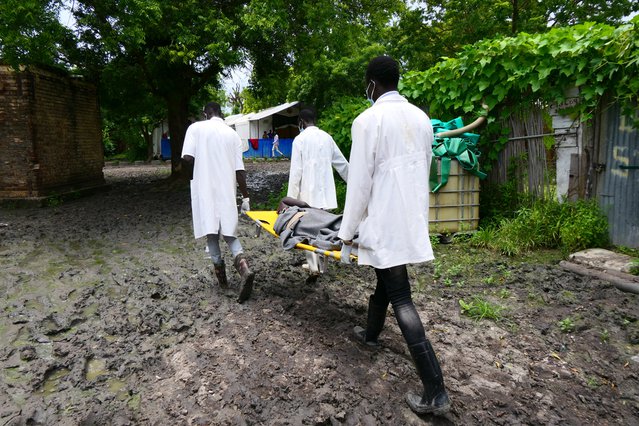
(214, 152)
(314, 154)
(387, 203)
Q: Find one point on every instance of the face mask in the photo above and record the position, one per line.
(370, 98)
(300, 127)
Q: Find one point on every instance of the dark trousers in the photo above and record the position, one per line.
(393, 287)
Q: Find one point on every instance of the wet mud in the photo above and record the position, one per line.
(111, 315)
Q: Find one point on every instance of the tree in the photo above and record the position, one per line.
(30, 32)
(236, 99)
(131, 108)
(167, 51)
(429, 31)
(315, 51)
(174, 48)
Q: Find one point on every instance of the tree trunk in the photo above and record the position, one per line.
(178, 122)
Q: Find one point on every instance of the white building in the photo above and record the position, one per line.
(282, 118)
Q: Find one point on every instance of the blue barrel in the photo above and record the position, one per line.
(165, 149)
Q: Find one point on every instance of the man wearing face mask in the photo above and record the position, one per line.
(314, 154)
(214, 152)
(387, 202)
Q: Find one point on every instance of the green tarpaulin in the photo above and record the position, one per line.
(462, 148)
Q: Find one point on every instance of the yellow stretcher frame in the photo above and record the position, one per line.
(266, 219)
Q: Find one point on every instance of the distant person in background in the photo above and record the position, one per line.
(270, 134)
(313, 157)
(264, 136)
(276, 145)
(213, 151)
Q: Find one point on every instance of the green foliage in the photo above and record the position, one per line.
(340, 190)
(107, 143)
(338, 118)
(593, 382)
(489, 280)
(250, 103)
(271, 89)
(584, 226)
(513, 222)
(152, 58)
(570, 226)
(326, 78)
(424, 32)
(209, 93)
(314, 52)
(133, 145)
(507, 72)
(31, 33)
(479, 308)
(499, 202)
(273, 200)
(54, 201)
(567, 325)
(628, 250)
(633, 252)
(504, 293)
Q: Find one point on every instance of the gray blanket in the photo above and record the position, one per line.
(308, 225)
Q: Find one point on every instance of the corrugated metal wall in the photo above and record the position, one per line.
(618, 182)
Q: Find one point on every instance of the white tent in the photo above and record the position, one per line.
(253, 125)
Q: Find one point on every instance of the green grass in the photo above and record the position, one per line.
(535, 299)
(488, 280)
(504, 293)
(569, 226)
(478, 309)
(567, 325)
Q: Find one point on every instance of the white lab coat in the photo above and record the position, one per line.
(387, 191)
(217, 150)
(310, 179)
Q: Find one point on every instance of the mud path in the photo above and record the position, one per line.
(111, 315)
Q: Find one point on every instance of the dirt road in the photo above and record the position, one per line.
(111, 316)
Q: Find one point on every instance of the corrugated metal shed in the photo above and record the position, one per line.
(618, 184)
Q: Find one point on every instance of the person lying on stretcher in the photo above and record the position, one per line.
(300, 223)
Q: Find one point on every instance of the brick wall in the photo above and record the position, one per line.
(50, 134)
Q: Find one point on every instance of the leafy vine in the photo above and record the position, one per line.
(510, 72)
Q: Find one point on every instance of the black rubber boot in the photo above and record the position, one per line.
(246, 285)
(220, 274)
(434, 399)
(374, 324)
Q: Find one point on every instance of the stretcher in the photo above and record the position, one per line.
(266, 219)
